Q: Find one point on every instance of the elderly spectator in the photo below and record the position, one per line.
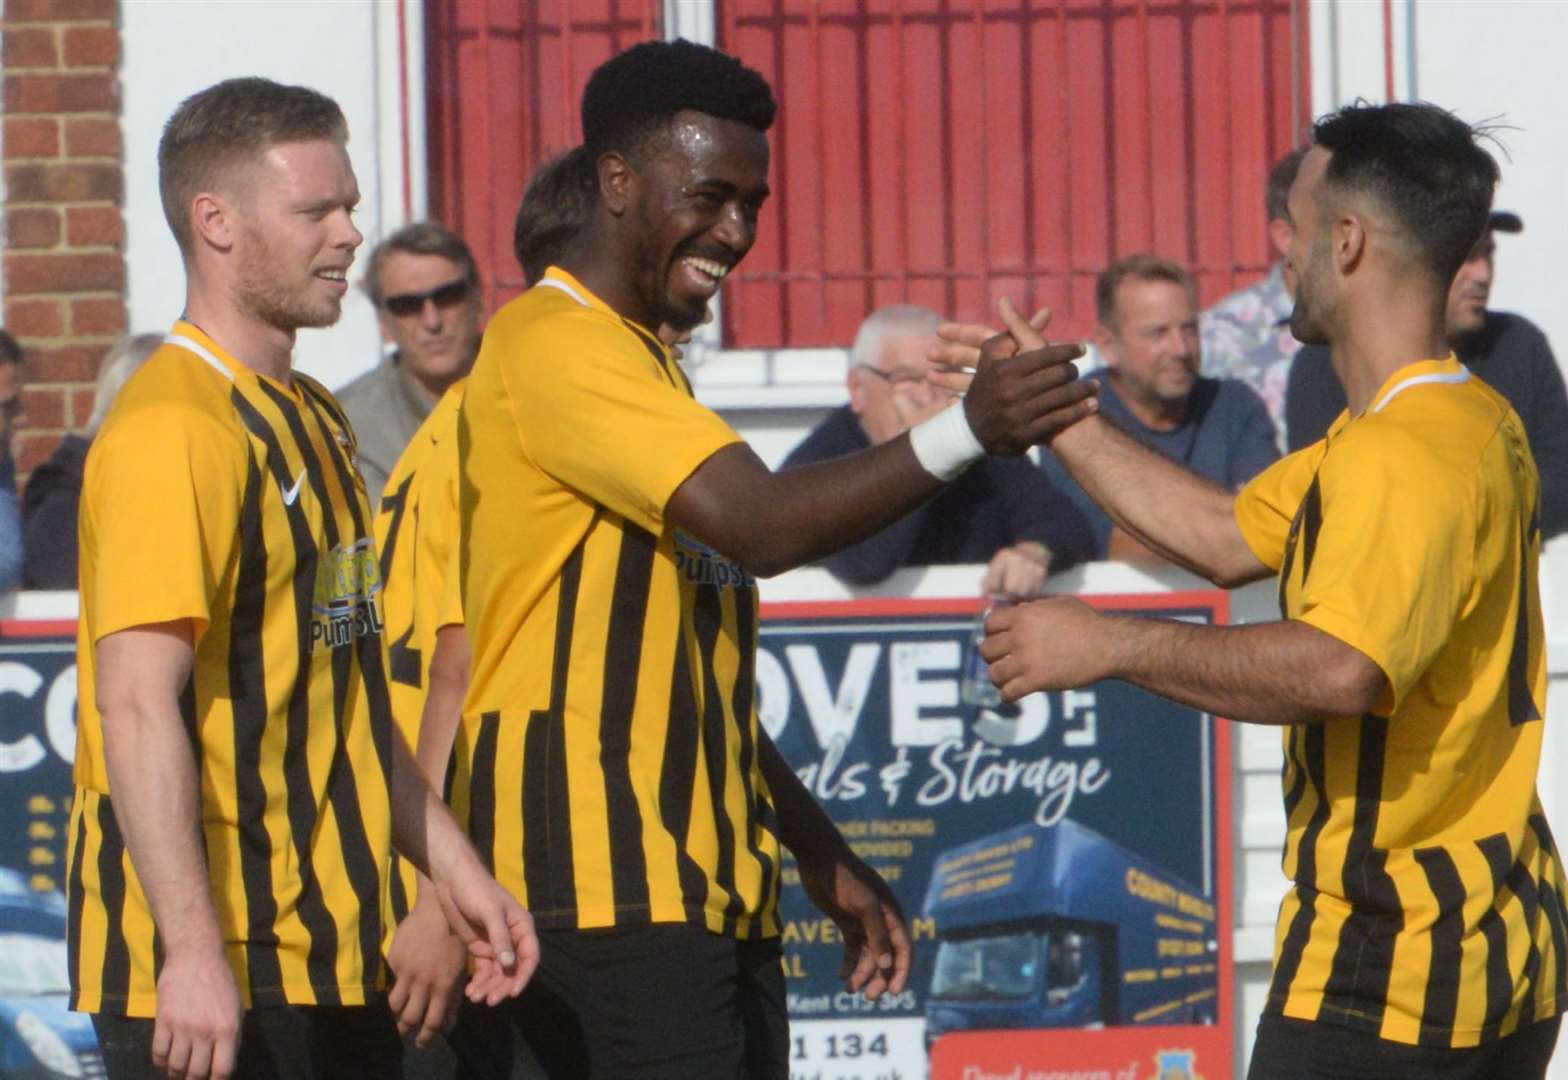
(425, 285)
(1247, 335)
(55, 488)
(1508, 351)
(10, 410)
(1003, 511)
(1151, 389)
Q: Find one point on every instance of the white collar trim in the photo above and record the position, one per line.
(1400, 387)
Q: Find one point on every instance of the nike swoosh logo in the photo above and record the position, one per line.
(292, 493)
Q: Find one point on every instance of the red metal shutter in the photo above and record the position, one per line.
(505, 81)
(943, 152)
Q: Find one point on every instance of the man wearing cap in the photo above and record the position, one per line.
(1509, 351)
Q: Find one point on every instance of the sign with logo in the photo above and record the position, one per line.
(1064, 863)
(37, 746)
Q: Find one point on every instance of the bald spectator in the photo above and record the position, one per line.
(1508, 351)
(55, 488)
(1151, 389)
(425, 285)
(1247, 335)
(10, 410)
(1003, 512)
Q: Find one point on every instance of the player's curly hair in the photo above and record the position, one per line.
(634, 95)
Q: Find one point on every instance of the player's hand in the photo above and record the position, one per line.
(1018, 572)
(877, 950)
(957, 351)
(491, 925)
(1024, 390)
(197, 1031)
(1056, 643)
(428, 963)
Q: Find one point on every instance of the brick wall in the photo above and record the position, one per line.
(64, 228)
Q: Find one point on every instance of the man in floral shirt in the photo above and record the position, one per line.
(1247, 336)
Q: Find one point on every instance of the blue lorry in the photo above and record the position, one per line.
(40, 1038)
(1060, 927)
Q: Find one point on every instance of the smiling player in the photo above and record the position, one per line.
(609, 761)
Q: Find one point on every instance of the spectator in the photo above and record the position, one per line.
(425, 285)
(1151, 389)
(1247, 335)
(1508, 351)
(1002, 511)
(10, 410)
(55, 488)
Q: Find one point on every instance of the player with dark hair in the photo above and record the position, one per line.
(554, 207)
(609, 760)
(1424, 931)
(239, 783)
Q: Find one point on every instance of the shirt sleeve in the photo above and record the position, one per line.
(599, 412)
(1391, 564)
(160, 519)
(1036, 510)
(10, 541)
(1548, 434)
(1268, 504)
(1256, 445)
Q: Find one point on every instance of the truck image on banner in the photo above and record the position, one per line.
(1062, 928)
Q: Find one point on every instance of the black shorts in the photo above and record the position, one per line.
(1289, 1049)
(665, 1002)
(279, 1042)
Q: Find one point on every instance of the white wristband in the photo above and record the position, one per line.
(945, 445)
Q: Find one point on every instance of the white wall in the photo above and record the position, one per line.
(174, 48)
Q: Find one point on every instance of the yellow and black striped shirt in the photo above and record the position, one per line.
(416, 538)
(1427, 897)
(216, 495)
(607, 763)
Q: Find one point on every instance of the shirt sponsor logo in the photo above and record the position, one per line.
(701, 565)
(344, 606)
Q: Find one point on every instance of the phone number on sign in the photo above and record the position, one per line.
(858, 1049)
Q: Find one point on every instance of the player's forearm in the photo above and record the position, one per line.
(443, 711)
(1283, 672)
(423, 828)
(802, 514)
(156, 794)
(1170, 509)
(804, 827)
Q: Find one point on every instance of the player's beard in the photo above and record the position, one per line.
(262, 290)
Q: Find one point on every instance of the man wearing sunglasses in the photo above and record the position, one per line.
(425, 285)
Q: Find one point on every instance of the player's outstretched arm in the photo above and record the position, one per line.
(1285, 672)
(485, 917)
(156, 793)
(428, 960)
(877, 949)
(1170, 509)
(771, 522)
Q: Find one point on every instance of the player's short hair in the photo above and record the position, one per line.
(10, 349)
(1140, 267)
(235, 120)
(420, 238)
(552, 212)
(1423, 165)
(634, 95)
(1281, 175)
(897, 320)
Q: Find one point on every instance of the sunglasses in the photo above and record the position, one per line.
(405, 304)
